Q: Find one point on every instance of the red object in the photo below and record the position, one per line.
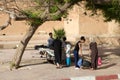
(110, 77)
(99, 61)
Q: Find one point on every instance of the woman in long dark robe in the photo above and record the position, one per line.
(57, 44)
(94, 55)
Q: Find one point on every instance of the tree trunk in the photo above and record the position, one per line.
(21, 48)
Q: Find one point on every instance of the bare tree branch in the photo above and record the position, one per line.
(6, 11)
(62, 10)
(13, 16)
(7, 23)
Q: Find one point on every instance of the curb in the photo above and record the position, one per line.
(105, 77)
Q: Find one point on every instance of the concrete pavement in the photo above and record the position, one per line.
(36, 68)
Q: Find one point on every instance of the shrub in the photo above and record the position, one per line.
(60, 33)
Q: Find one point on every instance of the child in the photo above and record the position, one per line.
(68, 60)
(78, 50)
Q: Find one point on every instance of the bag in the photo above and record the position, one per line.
(79, 63)
(99, 61)
(86, 63)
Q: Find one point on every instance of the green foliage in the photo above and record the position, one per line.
(60, 33)
(114, 10)
(60, 1)
(111, 10)
(67, 0)
(57, 17)
(53, 9)
(34, 13)
(33, 18)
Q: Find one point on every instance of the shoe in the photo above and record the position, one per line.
(76, 68)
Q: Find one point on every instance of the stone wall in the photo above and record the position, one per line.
(71, 23)
(114, 28)
(80, 22)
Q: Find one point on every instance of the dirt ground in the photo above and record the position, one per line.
(35, 68)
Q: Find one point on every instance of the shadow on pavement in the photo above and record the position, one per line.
(33, 64)
(106, 51)
(107, 66)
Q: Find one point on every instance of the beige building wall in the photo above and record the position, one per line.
(71, 23)
(91, 26)
(20, 27)
(49, 26)
(16, 27)
(77, 23)
(114, 28)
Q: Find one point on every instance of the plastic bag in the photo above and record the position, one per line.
(99, 61)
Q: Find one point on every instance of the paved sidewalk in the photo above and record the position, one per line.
(36, 68)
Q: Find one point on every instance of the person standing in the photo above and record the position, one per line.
(63, 49)
(93, 54)
(66, 51)
(78, 51)
(57, 45)
(50, 40)
(68, 59)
